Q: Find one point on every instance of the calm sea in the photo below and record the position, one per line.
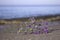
(13, 11)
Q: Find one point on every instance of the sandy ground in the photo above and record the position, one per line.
(9, 33)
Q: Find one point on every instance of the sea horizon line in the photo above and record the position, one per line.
(29, 5)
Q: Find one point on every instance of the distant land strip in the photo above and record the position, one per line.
(29, 5)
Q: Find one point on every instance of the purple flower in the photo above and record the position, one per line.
(46, 30)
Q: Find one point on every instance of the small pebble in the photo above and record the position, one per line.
(29, 39)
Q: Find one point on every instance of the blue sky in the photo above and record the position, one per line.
(29, 2)
(45, 7)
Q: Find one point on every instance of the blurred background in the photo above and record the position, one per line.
(26, 8)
